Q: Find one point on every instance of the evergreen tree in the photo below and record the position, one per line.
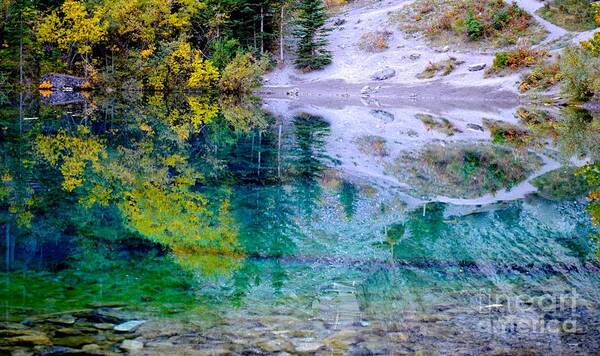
(311, 52)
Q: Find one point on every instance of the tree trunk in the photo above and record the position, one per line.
(262, 30)
(281, 36)
(254, 36)
(279, 152)
(7, 232)
(20, 50)
(259, 150)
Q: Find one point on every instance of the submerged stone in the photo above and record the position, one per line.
(383, 115)
(131, 345)
(104, 326)
(275, 345)
(67, 332)
(91, 347)
(129, 326)
(308, 347)
(74, 341)
(31, 339)
(65, 319)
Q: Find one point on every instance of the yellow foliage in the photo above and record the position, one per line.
(73, 27)
(593, 44)
(145, 53)
(183, 65)
(149, 21)
(242, 74)
(98, 194)
(204, 74)
(45, 85)
(203, 111)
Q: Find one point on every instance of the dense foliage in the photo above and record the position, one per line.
(150, 44)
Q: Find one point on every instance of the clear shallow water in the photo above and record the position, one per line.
(251, 223)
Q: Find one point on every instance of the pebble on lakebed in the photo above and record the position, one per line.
(88, 331)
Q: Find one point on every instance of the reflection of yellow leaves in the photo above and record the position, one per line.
(206, 263)
(6, 177)
(242, 116)
(19, 201)
(99, 194)
(45, 93)
(147, 128)
(203, 111)
(174, 160)
(180, 219)
(72, 154)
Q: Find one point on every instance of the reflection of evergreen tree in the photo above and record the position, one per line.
(348, 195)
(425, 226)
(579, 133)
(308, 159)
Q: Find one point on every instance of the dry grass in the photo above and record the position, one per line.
(518, 58)
(541, 77)
(463, 170)
(540, 123)
(376, 41)
(334, 4)
(488, 23)
(573, 15)
(439, 124)
(372, 145)
(504, 133)
(444, 67)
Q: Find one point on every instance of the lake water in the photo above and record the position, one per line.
(283, 227)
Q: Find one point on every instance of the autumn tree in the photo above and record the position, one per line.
(73, 30)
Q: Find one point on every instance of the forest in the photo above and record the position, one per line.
(155, 45)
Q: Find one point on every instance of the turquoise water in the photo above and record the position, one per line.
(183, 209)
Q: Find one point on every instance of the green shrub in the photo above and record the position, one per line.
(223, 51)
(495, 23)
(501, 60)
(243, 74)
(561, 184)
(518, 58)
(580, 74)
(474, 27)
(500, 18)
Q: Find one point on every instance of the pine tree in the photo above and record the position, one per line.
(311, 52)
